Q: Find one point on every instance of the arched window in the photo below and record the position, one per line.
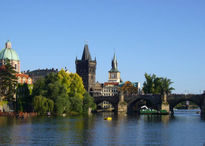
(16, 67)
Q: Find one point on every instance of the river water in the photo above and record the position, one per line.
(184, 129)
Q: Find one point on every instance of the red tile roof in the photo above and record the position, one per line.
(22, 75)
(111, 83)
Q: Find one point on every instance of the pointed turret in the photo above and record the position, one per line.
(114, 74)
(86, 54)
(8, 45)
(114, 64)
(86, 68)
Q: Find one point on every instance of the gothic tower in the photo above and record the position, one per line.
(114, 74)
(86, 68)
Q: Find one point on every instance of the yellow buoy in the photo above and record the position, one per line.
(108, 118)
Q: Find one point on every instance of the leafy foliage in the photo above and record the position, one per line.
(165, 86)
(42, 105)
(128, 88)
(8, 82)
(66, 90)
(24, 99)
(88, 102)
(157, 85)
(62, 104)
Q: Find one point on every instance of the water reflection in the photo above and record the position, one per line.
(94, 130)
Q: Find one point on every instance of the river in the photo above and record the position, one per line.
(184, 129)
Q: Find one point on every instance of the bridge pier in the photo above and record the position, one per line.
(165, 104)
(122, 105)
(203, 107)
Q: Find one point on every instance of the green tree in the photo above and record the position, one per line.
(66, 90)
(165, 86)
(128, 88)
(148, 85)
(8, 82)
(62, 104)
(156, 85)
(23, 98)
(88, 102)
(76, 86)
(76, 104)
(38, 87)
(42, 105)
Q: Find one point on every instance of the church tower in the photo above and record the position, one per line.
(114, 74)
(9, 53)
(86, 69)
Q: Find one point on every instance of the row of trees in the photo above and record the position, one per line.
(57, 93)
(61, 93)
(157, 85)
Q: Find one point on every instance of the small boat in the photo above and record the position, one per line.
(108, 118)
(198, 112)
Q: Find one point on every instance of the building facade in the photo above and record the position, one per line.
(86, 69)
(23, 78)
(40, 73)
(110, 89)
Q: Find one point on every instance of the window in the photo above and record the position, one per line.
(24, 79)
(19, 79)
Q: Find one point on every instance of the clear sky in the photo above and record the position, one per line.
(165, 37)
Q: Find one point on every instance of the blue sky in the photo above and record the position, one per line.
(165, 37)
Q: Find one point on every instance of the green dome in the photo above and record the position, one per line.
(9, 53)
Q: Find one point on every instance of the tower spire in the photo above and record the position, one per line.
(8, 45)
(86, 53)
(114, 63)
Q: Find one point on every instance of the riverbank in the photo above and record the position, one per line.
(18, 115)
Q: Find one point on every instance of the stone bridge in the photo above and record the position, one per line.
(156, 101)
(114, 100)
(198, 99)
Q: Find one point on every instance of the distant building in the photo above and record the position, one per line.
(110, 88)
(86, 69)
(40, 73)
(114, 74)
(98, 90)
(135, 84)
(23, 78)
(9, 53)
(106, 105)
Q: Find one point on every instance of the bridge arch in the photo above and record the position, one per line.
(174, 100)
(133, 104)
(183, 100)
(113, 100)
(153, 101)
